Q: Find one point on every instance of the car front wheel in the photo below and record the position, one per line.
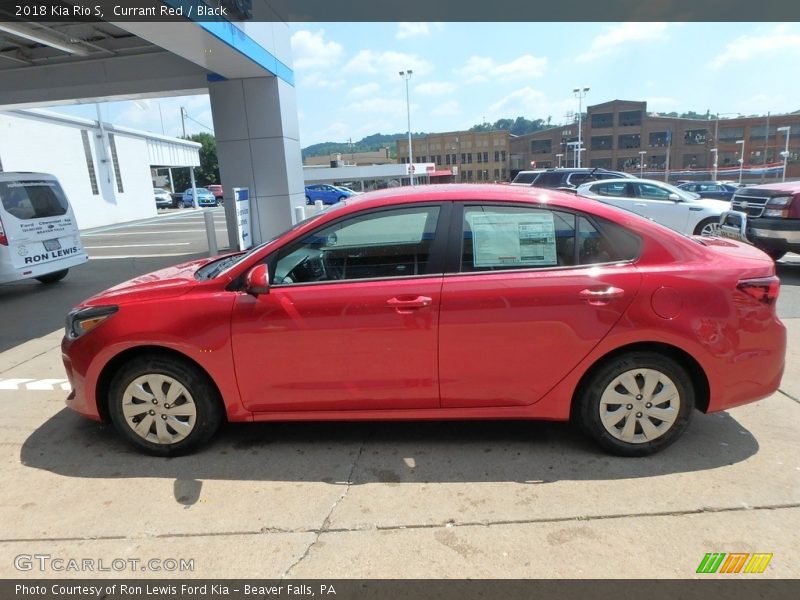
(164, 406)
(708, 226)
(636, 404)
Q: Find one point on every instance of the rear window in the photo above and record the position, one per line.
(524, 177)
(34, 199)
(548, 180)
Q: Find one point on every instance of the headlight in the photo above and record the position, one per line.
(85, 319)
(779, 202)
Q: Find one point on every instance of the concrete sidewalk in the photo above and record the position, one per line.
(394, 500)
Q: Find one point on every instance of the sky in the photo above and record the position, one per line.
(348, 83)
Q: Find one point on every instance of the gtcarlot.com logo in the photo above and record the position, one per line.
(734, 562)
(48, 562)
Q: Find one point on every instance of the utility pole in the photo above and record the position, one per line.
(766, 149)
(406, 75)
(183, 122)
(580, 93)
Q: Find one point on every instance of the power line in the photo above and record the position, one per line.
(198, 122)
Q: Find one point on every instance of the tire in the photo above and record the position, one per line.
(709, 226)
(633, 432)
(776, 255)
(196, 412)
(53, 277)
(341, 198)
(308, 200)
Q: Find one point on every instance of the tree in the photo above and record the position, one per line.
(207, 172)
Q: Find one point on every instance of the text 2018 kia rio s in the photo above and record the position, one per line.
(438, 302)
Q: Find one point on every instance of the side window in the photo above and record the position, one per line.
(390, 243)
(616, 189)
(652, 192)
(502, 238)
(505, 237)
(548, 180)
(577, 179)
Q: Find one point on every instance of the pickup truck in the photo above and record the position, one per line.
(767, 216)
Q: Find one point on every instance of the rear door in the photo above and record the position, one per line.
(533, 292)
(38, 222)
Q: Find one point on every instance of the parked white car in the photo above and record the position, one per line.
(685, 212)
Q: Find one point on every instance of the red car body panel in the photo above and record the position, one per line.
(336, 351)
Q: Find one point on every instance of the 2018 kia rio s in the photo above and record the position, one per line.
(438, 302)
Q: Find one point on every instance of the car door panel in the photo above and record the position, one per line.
(507, 338)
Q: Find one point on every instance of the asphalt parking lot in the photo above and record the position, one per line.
(385, 500)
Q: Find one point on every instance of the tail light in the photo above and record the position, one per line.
(764, 289)
(3, 238)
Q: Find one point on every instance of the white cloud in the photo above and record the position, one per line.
(318, 80)
(435, 88)
(479, 69)
(448, 109)
(385, 106)
(409, 30)
(311, 51)
(614, 38)
(779, 42)
(365, 89)
(390, 63)
(530, 103)
(662, 103)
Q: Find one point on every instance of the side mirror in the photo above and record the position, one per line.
(258, 280)
(674, 197)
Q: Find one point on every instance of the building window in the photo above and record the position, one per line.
(542, 147)
(628, 162)
(759, 132)
(438, 159)
(630, 118)
(496, 156)
(692, 161)
(447, 159)
(602, 120)
(658, 139)
(497, 173)
(730, 134)
(695, 137)
(629, 141)
(115, 160)
(422, 159)
(600, 163)
(657, 161)
(87, 151)
(602, 142)
(503, 155)
(479, 156)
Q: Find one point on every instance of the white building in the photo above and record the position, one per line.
(103, 168)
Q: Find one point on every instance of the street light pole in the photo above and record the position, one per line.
(641, 163)
(788, 130)
(406, 75)
(715, 152)
(741, 160)
(580, 94)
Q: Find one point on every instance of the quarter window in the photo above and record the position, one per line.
(393, 243)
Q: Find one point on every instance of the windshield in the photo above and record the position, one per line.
(684, 195)
(225, 263)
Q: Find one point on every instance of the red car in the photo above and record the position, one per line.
(216, 189)
(438, 302)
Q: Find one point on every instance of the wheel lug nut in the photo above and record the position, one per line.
(166, 406)
(639, 415)
(152, 412)
(164, 417)
(649, 405)
(155, 401)
(630, 406)
(638, 396)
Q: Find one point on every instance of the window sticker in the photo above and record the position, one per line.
(503, 240)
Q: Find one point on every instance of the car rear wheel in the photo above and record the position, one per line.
(53, 277)
(164, 406)
(708, 226)
(636, 404)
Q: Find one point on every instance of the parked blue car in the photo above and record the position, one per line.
(709, 189)
(329, 194)
(204, 198)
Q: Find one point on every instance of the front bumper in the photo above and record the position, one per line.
(767, 233)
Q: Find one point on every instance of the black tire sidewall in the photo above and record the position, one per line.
(204, 394)
(699, 229)
(588, 413)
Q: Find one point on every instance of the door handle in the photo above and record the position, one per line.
(406, 304)
(601, 296)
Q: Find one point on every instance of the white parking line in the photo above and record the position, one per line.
(35, 385)
(138, 245)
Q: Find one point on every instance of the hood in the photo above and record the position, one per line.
(713, 204)
(165, 283)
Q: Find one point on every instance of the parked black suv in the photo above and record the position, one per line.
(570, 179)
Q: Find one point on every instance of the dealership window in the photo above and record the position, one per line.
(389, 243)
(541, 146)
(658, 139)
(727, 134)
(112, 141)
(505, 237)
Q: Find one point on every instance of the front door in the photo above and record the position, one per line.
(351, 319)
